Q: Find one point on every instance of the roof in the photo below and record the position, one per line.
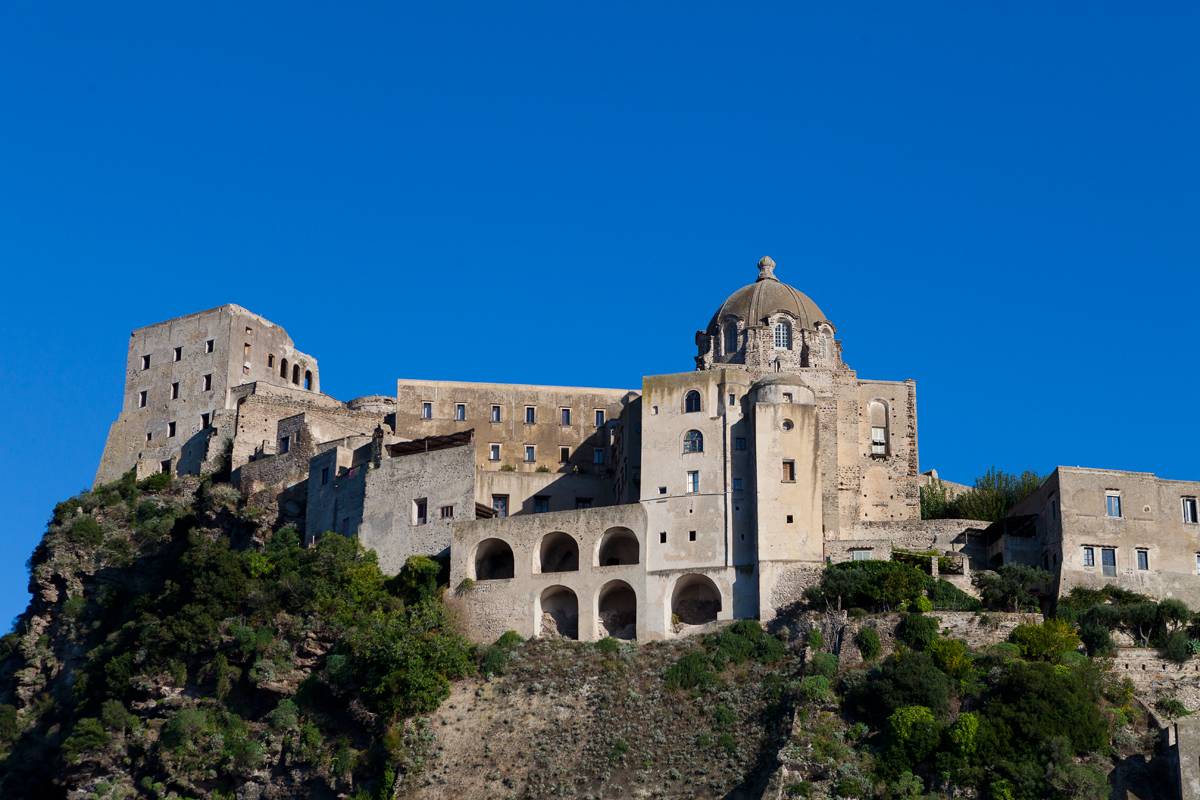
(768, 295)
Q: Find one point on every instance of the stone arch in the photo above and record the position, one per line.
(296, 374)
(558, 552)
(308, 379)
(557, 614)
(493, 560)
(283, 368)
(695, 599)
(692, 402)
(616, 610)
(618, 547)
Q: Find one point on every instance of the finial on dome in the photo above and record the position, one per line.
(766, 269)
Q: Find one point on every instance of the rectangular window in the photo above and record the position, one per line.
(530, 415)
(662, 490)
(145, 362)
(583, 502)
(206, 382)
(691, 536)
(493, 452)
(460, 411)
(178, 353)
(209, 346)
(149, 436)
(1143, 559)
(737, 484)
(165, 466)
(878, 441)
(175, 391)
(495, 413)
(1089, 557)
(426, 410)
(446, 512)
(693, 482)
(170, 429)
(787, 397)
(662, 538)
(732, 398)
(1112, 504)
(1198, 563)
(1108, 561)
(564, 415)
(789, 471)
(598, 455)
(739, 443)
(541, 504)
(599, 417)
(530, 453)
(420, 511)
(285, 444)
(1189, 510)
(270, 360)
(564, 455)
(205, 419)
(142, 396)
(324, 476)
(860, 554)
(246, 351)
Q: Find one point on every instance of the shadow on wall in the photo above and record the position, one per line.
(194, 452)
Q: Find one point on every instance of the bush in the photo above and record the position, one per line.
(1097, 639)
(1045, 642)
(873, 585)
(945, 596)
(691, 671)
(741, 641)
(825, 664)
(917, 631)
(953, 658)
(815, 639)
(913, 734)
(418, 579)
(908, 679)
(86, 531)
(87, 736)
(815, 689)
(867, 641)
(608, 646)
(1177, 647)
(1170, 707)
(1012, 587)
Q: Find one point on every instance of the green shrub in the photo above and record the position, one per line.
(1097, 639)
(87, 736)
(284, 717)
(608, 646)
(913, 733)
(727, 743)
(873, 585)
(1045, 642)
(115, 716)
(923, 605)
(742, 641)
(953, 658)
(723, 716)
(691, 671)
(1177, 647)
(815, 689)
(418, 579)
(157, 482)
(815, 640)
(867, 641)
(10, 727)
(825, 664)
(1012, 587)
(945, 596)
(917, 630)
(908, 679)
(509, 640)
(86, 531)
(1170, 707)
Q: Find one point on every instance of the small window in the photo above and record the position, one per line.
(420, 511)
(324, 476)
(541, 503)
(1108, 561)
(206, 382)
(789, 471)
(149, 436)
(209, 345)
(460, 412)
(205, 419)
(654, 411)
(787, 425)
(493, 452)
(143, 395)
(878, 441)
(732, 399)
(530, 415)
(1143, 559)
(426, 410)
(175, 391)
(564, 455)
(285, 445)
(691, 402)
(583, 502)
(598, 455)
(1198, 563)
(564, 415)
(693, 442)
(165, 466)
(500, 504)
(446, 512)
(691, 536)
(270, 360)
(1112, 504)
(599, 417)
(1189, 510)
(783, 335)
(693, 482)
(145, 362)
(495, 414)
(739, 443)
(789, 519)
(787, 397)
(170, 429)
(860, 554)
(737, 484)
(1089, 557)
(662, 490)
(530, 453)
(178, 354)
(246, 351)
(662, 539)
(248, 330)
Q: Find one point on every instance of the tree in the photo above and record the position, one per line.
(1012, 587)
(1047, 641)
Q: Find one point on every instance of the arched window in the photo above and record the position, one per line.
(878, 411)
(693, 442)
(617, 608)
(308, 379)
(559, 617)
(296, 373)
(691, 402)
(731, 338)
(283, 371)
(618, 546)
(493, 560)
(695, 600)
(783, 335)
(559, 553)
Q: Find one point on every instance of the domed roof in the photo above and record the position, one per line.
(766, 296)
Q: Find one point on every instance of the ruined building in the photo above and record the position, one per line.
(712, 494)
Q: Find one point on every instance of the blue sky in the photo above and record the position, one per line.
(998, 202)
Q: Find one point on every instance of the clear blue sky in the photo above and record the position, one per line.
(1001, 204)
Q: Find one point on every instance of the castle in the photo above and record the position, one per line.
(707, 495)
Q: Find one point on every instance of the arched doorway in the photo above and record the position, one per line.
(616, 607)
(618, 547)
(695, 600)
(559, 552)
(493, 560)
(558, 614)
